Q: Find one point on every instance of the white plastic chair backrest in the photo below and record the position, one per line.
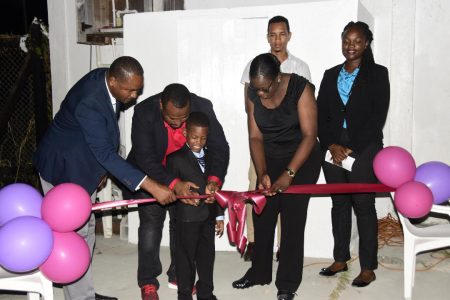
(33, 283)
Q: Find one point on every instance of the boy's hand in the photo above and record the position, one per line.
(219, 227)
(210, 189)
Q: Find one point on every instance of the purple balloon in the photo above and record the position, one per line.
(435, 175)
(18, 200)
(25, 244)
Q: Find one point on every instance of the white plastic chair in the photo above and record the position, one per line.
(32, 283)
(420, 239)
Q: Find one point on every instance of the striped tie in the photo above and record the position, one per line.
(201, 161)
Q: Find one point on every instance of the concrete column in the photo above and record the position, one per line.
(402, 73)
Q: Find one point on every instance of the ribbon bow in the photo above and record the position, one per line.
(237, 211)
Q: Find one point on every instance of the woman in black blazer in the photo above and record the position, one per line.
(353, 102)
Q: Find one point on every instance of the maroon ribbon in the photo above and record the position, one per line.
(338, 188)
(235, 201)
(237, 211)
(117, 203)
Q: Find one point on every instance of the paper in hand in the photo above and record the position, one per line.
(346, 163)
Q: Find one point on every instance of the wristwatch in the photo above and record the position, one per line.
(290, 172)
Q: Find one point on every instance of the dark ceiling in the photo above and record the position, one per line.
(17, 15)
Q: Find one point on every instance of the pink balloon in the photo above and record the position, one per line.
(394, 166)
(66, 207)
(413, 199)
(69, 259)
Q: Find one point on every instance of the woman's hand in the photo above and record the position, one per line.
(282, 183)
(339, 153)
(265, 184)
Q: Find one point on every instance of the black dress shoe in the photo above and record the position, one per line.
(329, 272)
(243, 283)
(360, 282)
(285, 295)
(248, 255)
(103, 297)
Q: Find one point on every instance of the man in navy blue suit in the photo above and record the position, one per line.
(81, 146)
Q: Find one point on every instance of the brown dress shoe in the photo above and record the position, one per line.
(364, 278)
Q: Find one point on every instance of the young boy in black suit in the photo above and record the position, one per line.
(196, 220)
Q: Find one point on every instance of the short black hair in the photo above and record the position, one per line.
(124, 67)
(279, 19)
(266, 65)
(176, 93)
(197, 118)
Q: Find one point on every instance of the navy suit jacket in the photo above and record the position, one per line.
(149, 139)
(184, 165)
(82, 142)
(365, 112)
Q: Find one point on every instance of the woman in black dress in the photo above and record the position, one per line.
(282, 124)
(353, 104)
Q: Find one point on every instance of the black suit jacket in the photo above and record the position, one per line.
(149, 139)
(184, 165)
(365, 112)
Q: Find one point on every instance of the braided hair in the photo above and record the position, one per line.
(367, 58)
(266, 65)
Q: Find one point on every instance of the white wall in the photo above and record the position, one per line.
(431, 82)
(206, 4)
(69, 60)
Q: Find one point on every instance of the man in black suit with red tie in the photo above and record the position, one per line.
(157, 131)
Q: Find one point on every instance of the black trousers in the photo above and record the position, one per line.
(195, 253)
(362, 204)
(293, 211)
(151, 218)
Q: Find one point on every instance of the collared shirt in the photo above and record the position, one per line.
(344, 85)
(111, 98)
(292, 64)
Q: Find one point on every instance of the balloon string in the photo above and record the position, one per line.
(318, 189)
